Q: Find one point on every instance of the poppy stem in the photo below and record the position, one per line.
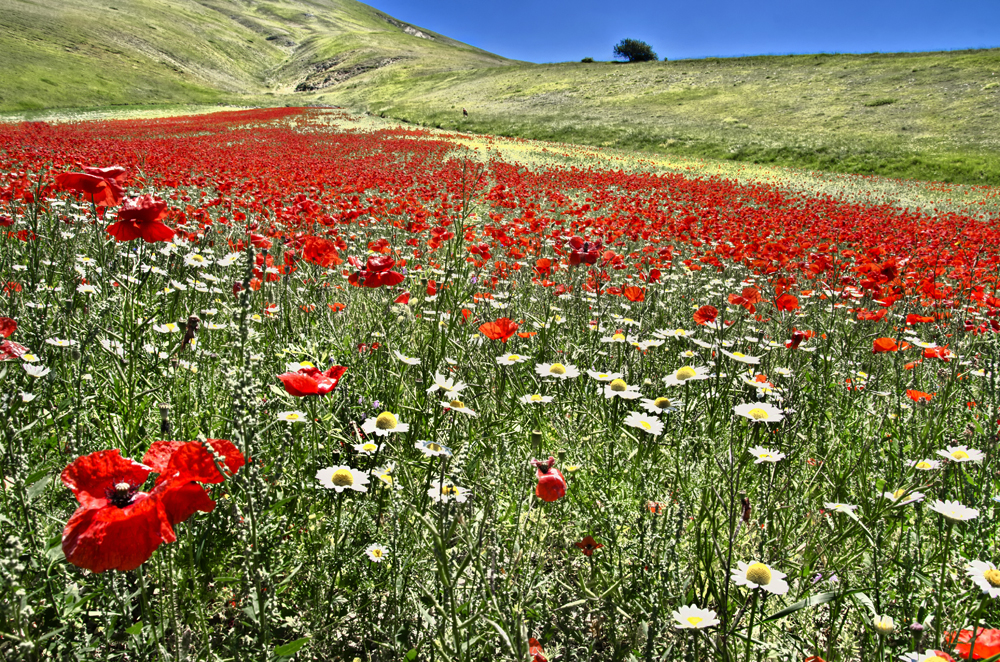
(753, 612)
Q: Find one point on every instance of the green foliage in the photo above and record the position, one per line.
(633, 50)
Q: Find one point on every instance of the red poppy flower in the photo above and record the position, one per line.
(987, 643)
(102, 185)
(7, 327)
(918, 319)
(118, 527)
(797, 338)
(882, 345)
(706, 315)
(942, 353)
(634, 294)
(588, 545)
(403, 298)
(312, 381)
(502, 329)
(376, 273)
(535, 651)
(919, 396)
(786, 302)
(141, 218)
(320, 251)
(551, 484)
(11, 350)
(871, 316)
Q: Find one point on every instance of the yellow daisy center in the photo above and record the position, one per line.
(448, 490)
(898, 494)
(377, 553)
(661, 403)
(960, 455)
(645, 425)
(618, 385)
(993, 577)
(739, 355)
(557, 369)
(923, 465)
(434, 447)
(694, 620)
(934, 658)
(197, 258)
(369, 447)
(602, 375)
(757, 414)
(759, 574)
(456, 404)
(687, 372)
(342, 478)
(513, 357)
(292, 416)
(680, 332)
(536, 398)
(306, 364)
(386, 478)
(618, 336)
(386, 421)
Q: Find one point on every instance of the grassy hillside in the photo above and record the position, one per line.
(923, 115)
(70, 53)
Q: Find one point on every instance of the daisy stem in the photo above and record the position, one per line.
(940, 588)
(753, 612)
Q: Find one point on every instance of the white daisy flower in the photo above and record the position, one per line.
(840, 507)
(884, 625)
(661, 405)
(648, 424)
(385, 476)
(403, 358)
(195, 260)
(292, 416)
(432, 449)
(446, 492)
(618, 388)
(924, 465)
(986, 577)
(86, 289)
(557, 370)
(759, 412)
(962, 454)
(511, 359)
(687, 374)
(367, 448)
(169, 327)
(448, 385)
(953, 510)
(759, 575)
(536, 399)
(27, 397)
(694, 618)
(604, 376)
(383, 424)
(376, 552)
(60, 342)
(741, 357)
(765, 455)
(903, 497)
(35, 370)
(616, 338)
(458, 405)
(342, 478)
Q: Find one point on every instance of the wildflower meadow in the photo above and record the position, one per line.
(277, 387)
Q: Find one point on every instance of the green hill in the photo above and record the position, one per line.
(916, 115)
(72, 53)
(919, 115)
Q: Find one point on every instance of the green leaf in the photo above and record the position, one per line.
(291, 648)
(135, 629)
(38, 486)
(811, 601)
(411, 655)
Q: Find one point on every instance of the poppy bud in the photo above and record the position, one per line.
(551, 484)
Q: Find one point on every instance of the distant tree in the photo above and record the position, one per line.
(633, 50)
(587, 60)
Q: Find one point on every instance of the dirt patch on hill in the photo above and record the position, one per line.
(329, 72)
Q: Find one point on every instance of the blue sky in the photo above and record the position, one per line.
(567, 30)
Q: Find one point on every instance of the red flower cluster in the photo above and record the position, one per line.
(311, 380)
(118, 527)
(987, 643)
(376, 272)
(9, 349)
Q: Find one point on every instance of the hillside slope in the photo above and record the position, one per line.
(70, 53)
(922, 115)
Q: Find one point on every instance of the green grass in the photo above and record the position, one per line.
(923, 115)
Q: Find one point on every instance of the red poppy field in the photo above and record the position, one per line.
(279, 383)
